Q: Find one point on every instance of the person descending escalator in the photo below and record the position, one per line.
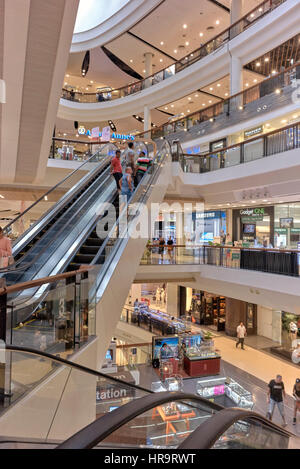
(126, 183)
(142, 166)
(116, 168)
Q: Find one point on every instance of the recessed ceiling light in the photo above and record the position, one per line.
(172, 105)
(188, 110)
(187, 43)
(265, 200)
(218, 85)
(277, 91)
(267, 59)
(247, 84)
(166, 108)
(257, 64)
(130, 60)
(284, 121)
(295, 116)
(201, 34)
(218, 22)
(189, 98)
(46, 197)
(160, 60)
(268, 125)
(253, 201)
(252, 15)
(255, 80)
(210, 101)
(144, 71)
(226, 94)
(196, 96)
(66, 83)
(273, 72)
(67, 75)
(211, 88)
(161, 43)
(175, 51)
(91, 81)
(203, 104)
(2, 196)
(184, 26)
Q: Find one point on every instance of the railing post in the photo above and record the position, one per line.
(3, 313)
(77, 312)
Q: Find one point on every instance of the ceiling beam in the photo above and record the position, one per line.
(220, 5)
(152, 46)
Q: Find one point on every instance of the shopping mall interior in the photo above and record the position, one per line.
(149, 225)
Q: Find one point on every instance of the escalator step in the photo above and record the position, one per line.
(83, 258)
(92, 250)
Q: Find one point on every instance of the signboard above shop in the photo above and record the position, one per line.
(93, 133)
(251, 215)
(252, 132)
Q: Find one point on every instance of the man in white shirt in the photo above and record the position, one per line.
(241, 333)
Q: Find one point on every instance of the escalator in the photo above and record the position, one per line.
(33, 250)
(84, 409)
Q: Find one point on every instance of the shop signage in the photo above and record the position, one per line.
(253, 132)
(281, 230)
(105, 136)
(217, 145)
(294, 230)
(216, 214)
(109, 391)
(83, 131)
(252, 214)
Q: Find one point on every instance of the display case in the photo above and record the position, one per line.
(239, 395)
(217, 387)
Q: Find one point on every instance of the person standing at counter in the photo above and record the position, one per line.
(241, 333)
(170, 244)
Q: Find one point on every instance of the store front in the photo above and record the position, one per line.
(207, 226)
(254, 226)
(287, 225)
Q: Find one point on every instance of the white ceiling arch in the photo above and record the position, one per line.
(119, 17)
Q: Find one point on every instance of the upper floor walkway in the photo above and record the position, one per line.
(259, 31)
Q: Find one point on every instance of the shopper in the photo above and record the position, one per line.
(241, 333)
(129, 156)
(161, 247)
(170, 244)
(296, 396)
(142, 166)
(72, 95)
(116, 168)
(126, 183)
(5, 250)
(276, 394)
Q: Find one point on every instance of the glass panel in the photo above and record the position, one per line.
(249, 434)
(164, 426)
(52, 390)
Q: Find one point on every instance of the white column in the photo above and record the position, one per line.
(236, 10)
(172, 299)
(148, 68)
(179, 228)
(147, 119)
(236, 75)
(136, 292)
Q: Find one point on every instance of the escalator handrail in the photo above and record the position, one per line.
(14, 267)
(51, 190)
(85, 369)
(97, 431)
(206, 437)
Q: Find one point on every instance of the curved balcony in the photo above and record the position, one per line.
(199, 68)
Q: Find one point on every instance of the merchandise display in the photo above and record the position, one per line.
(158, 320)
(214, 388)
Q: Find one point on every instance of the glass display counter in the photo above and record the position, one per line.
(215, 388)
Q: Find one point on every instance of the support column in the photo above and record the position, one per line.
(147, 120)
(136, 292)
(236, 10)
(236, 75)
(180, 239)
(149, 68)
(172, 306)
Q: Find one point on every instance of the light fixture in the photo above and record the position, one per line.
(226, 94)
(247, 84)
(257, 64)
(295, 116)
(144, 71)
(211, 88)
(253, 201)
(187, 43)
(284, 121)
(184, 26)
(267, 59)
(241, 108)
(160, 60)
(2, 196)
(203, 104)
(172, 105)
(218, 22)
(66, 83)
(218, 85)
(196, 95)
(255, 80)
(131, 61)
(252, 15)
(67, 75)
(201, 34)
(189, 98)
(161, 43)
(188, 110)
(210, 101)
(277, 91)
(273, 72)
(166, 108)
(175, 51)
(268, 125)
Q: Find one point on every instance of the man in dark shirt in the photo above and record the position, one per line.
(276, 394)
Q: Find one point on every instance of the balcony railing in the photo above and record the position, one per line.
(273, 261)
(240, 105)
(278, 141)
(203, 51)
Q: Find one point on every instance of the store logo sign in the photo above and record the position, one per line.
(252, 212)
(81, 130)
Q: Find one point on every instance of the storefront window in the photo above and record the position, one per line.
(287, 225)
